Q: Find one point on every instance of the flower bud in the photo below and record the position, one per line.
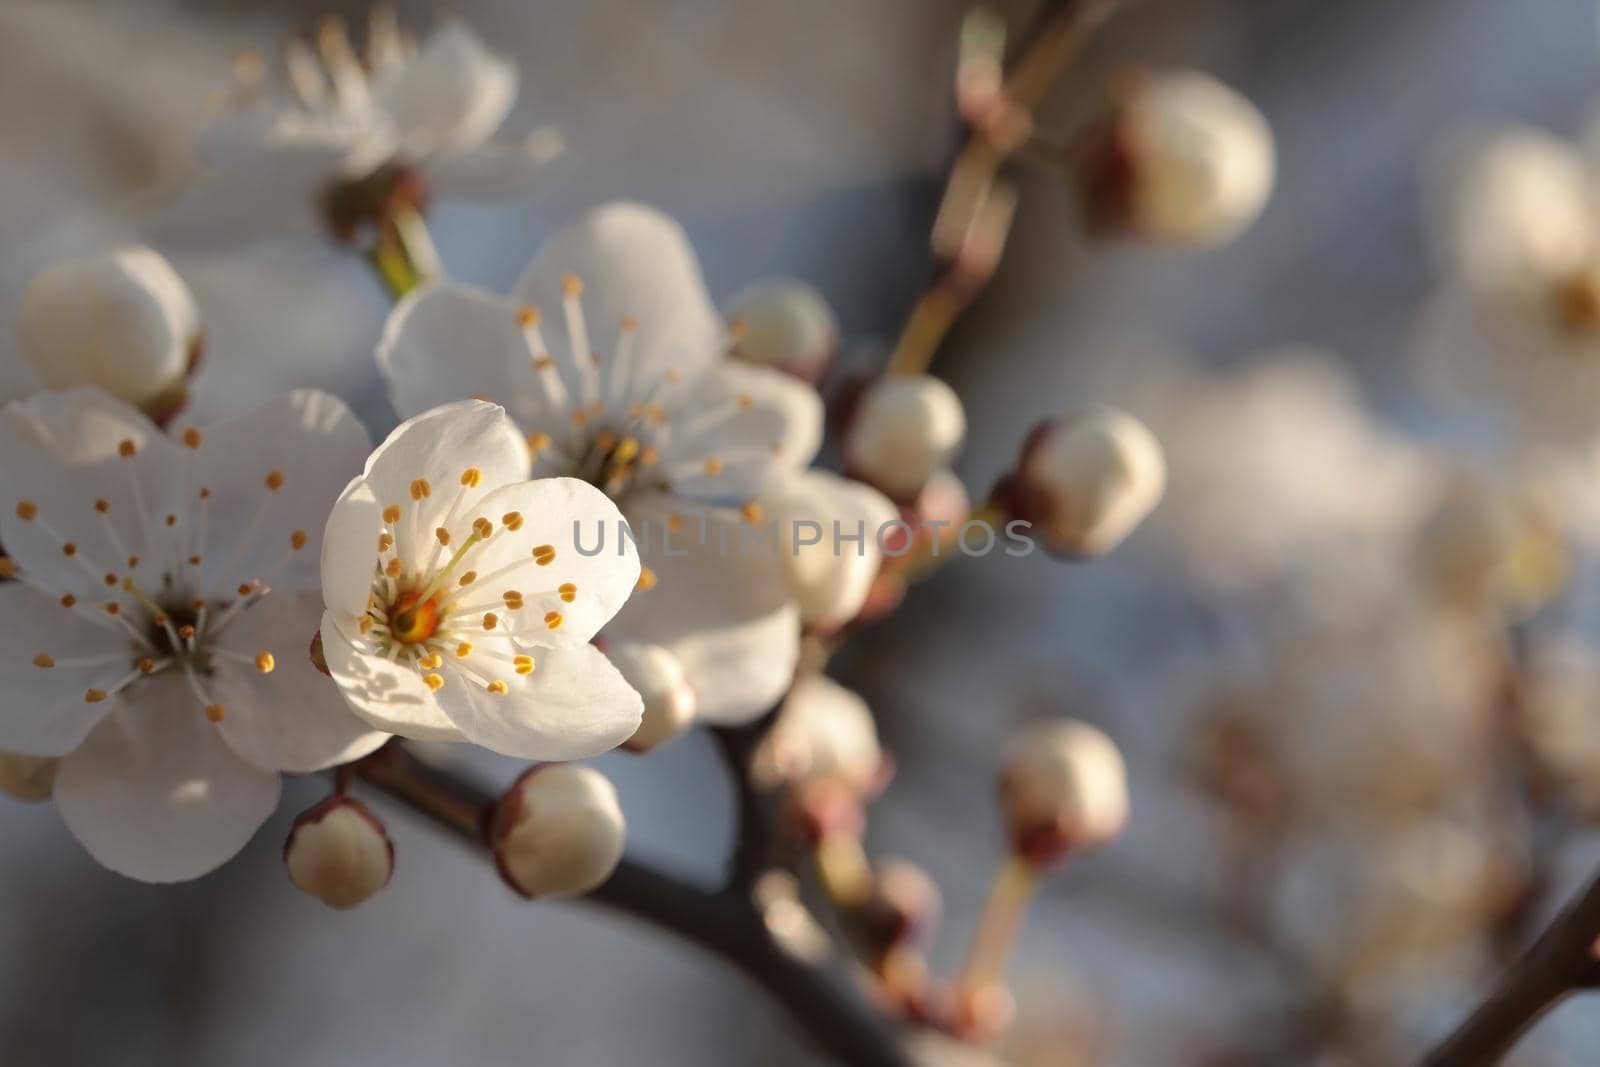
(339, 853)
(657, 676)
(904, 429)
(903, 907)
(1181, 158)
(784, 324)
(27, 778)
(1086, 480)
(1480, 549)
(558, 831)
(123, 321)
(829, 576)
(1064, 787)
(823, 733)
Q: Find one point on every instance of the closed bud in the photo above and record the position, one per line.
(1179, 159)
(558, 831)
(27, 778)
(657, 676)
(123, 321)
(1064, 787)
(1086, 480)
(904, 428)
(823, 734)
(339, 853)
(784, 324)
(829, 576)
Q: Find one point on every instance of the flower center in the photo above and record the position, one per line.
(413, 620)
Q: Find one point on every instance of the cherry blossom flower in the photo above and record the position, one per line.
(269, 158)
(638, 398)
(458, 606)
(159, 626)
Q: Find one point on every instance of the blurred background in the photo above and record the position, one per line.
(809, 140)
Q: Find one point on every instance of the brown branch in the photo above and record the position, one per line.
(825, 1006)
(1559, 963)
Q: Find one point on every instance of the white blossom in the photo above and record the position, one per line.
(1064, 786)
(828, 530)
(823, 733)
(160, 625)
(559, 831)
(458, 604)
(904, 429)
(785, 324)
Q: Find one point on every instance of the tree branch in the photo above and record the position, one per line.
(832, 1014)
(1560, 962)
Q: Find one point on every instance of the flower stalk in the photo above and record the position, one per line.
(1003, 915)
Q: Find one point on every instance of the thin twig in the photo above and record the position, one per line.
(832, 1014)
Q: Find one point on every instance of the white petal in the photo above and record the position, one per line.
(350, 552)
(574, 705)
(501, 165)
(760, 424)
(390, 697)
(75, 425)
(830, 579)
(439, 446)
(314, 445)
(448, 342)
(633, 261)
(726, 614)
(155, 794)
(562, 513)
(45, 712)
(453, 95)
(293, 718)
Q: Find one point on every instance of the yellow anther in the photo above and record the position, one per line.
(571, 285)
(68, 600)
(102, 506)
(523, 664)
(133, 561)
(713, 465)
(393, 568)
(69, 549)
(543, 362)
(745, 401)
(216, 712)
(435, 681)
(110, 579)
(490, 620)
(469, 577)
(385, 542)
(512, 520)
(553, 620)
(471, 477)
(147, 665)
(431, 662)
(205, 494)
(191, 437)
(737, 329)
(674, 522)
(527, 316)
(274, 480)
(172, 520)
(630, 323)
(365, 624)
(568, 591)
(649, 456)
(751, 512)
(43, 660)
(297, 540)
(126, 447)
(580, 417)
(512, 596)
(483, 528)
(626, 451)
(420, 489)
(113, 608)
(673, 376)
(544, 555)
(497, 687)
(443, 535)
(647, 580)
(463, 650)
(27, 510)
(538, 442)
(245, 589)
(194, 561)
(391, 514)
(186, 632)
(265, 662)
(94, 696)
(605, 441)
(8, 567)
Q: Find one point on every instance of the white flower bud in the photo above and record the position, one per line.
(784, 324)
(1086, 480)
(828, 579)
(558, 831)
(823, 733)
(27, 778)
(1064, 787)
(123, 321)
(657, 676)
(339, 853)
(905, 428)
(1185, 160)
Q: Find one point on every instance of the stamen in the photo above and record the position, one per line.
(497, 687)
(265, 662)
(568, 591)
(523, 664)
(647, 580)
(191, 437)
(553, 620)
(274, 480)
(43, 660)
(435, 681)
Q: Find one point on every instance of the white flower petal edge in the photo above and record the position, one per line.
(154, 792)
(459, 602)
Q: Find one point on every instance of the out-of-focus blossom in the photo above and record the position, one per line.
(558, 831)
(828, 530)
(1084, 481)
(638, 399)
(122, 320)
(1064, 787)
(1181, 159)
(1561, 719)
(824, 733)
(165, 601)
(903, 430)
(785, 324)
(458, 604)
(669, 702)
(272, 156)
(1487, 548)
(27, 778)
(339, 853)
